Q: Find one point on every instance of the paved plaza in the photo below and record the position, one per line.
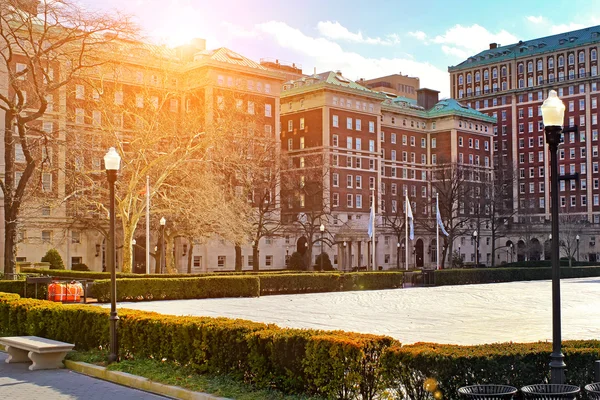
(470, 314)
(18, 383)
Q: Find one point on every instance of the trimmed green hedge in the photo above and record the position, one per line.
(332, 364)
(18, 287)
(445, 368)
(491, 275)
(177, 288)
(335, 365)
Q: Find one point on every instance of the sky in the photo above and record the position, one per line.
(363, 39)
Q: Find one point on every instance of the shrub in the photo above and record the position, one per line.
(53, 257)
(296, 262)
(372, 280)
(450, 366)
(490, 275)
(80, 267)
(326, 263)
(18, 287)
(177, 288)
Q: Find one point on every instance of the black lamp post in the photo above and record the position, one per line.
(476, 239)
(577, 238)
(133, 243)
(112, 162)
(553, 112)
(322, 229)
(512, 252)
(163, 222)
(398, 255)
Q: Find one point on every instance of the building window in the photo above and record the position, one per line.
(46, 182)
(75, 237)
(269, 261)
(46, 236)
(221, 261)
(335, 121)
(348, 123)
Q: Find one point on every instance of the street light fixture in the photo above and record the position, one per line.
(322, 229)
(577, 238)
(512, 252)
(163, 222)
(112, 162)
(133, 243)
(553, 114)
(476, 249)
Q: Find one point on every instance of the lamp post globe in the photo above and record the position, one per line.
(322, 229)
(553, 113)
(112, 163)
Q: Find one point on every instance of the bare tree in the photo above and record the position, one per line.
(43, 47)
(455, 184)
(305, 195)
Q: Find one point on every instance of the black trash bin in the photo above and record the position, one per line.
(485, 392)
(550, 391)
(593, 391)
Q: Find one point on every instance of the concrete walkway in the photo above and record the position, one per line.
(18, 383)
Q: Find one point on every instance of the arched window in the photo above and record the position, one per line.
(581, 56)
(485, 74)
(469, 77)
(477, 76)
(571, 59)
(593, 55)
(530, 66)
(539, 65)
(561, 61)
(460, 79)
(521, 68)
(503, 71)
(551, 62)
(494, 73)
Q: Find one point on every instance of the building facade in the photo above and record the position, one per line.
(510, 83)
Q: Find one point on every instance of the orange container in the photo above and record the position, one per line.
(57, 291)
(74, 291)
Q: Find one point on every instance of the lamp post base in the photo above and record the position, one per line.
(557, 368)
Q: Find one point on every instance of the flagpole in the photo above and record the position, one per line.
(147, 224)
(406, 230)
(373, 230)
(437, 231)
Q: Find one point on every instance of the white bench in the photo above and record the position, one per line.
(44, 353)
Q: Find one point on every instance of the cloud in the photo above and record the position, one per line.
(573, 26)
(472, 39)
(328, 55)
(238, 31)
(536, 20)
(420, 35)
(454, 51)
(336, 31)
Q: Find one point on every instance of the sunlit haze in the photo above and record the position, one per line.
(363, 39)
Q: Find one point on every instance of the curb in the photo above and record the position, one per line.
(137, 382)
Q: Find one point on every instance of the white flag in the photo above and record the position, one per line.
(371, 220)
(409, 216)
(439, 218)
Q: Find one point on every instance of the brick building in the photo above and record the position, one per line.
(510, 83)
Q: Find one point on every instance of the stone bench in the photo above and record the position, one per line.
(44, 353)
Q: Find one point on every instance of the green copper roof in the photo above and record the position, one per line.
(452, 107)
(337, 79)
(562, 41)
(401, 99)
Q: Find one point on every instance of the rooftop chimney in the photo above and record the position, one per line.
(493, 46)
(427, 98)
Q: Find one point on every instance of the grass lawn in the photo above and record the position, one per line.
(170, 373)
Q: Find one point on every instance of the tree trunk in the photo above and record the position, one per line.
(171, 265)
(255, 259)
(127, 249)
(238, 258)
(190, 255)
(10, 248)
(158, 257)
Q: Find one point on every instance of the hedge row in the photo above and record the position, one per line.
(332, 364)
(122, 275)
(18, 287)
(335, 365)
(178, 288)
(167, 288)
(491, 275)
(426, 371)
